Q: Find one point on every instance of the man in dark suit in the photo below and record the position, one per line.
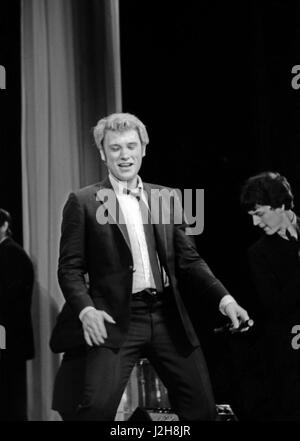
(132, 305)
(16, 284)
(272, 384)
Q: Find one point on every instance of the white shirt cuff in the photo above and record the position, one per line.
(224, 302)
(86, 309)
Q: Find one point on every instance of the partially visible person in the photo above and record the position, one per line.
(16, 285)
(274, 366)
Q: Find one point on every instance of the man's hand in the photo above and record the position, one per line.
(236, 313)
(93, 323)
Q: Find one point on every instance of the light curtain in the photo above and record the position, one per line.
(59, 107)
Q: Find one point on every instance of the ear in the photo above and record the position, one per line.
(102, 154)
(280, 209)
(143, 150)
(4, 227)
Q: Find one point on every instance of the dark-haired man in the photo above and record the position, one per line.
(274, 376)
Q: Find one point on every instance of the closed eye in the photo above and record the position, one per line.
(114, 147)
(132, 145)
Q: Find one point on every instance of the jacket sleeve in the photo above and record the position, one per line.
(192, 267)
(72, 259)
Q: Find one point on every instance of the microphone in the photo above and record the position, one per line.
(228, 328)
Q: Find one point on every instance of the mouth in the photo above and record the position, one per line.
(264, 228)
(125, 165)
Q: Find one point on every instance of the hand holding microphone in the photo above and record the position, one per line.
(228, 328)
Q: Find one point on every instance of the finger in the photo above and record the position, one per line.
(96, 338)
(101, 329)
(96, 329)
(94, 334)
(243, 314)
(235, 322)
(98, 335)
(245, 329)
(92, 326)
(108, 317)
(234, 319)
(232, 312)
(87, 338)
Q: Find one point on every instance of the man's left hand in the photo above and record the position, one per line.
(236, 313)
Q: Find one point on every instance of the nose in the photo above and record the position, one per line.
(256, 220)
(125, 153)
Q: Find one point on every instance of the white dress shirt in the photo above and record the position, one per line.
(129, 204)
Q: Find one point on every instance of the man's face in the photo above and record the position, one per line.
(268, 218)
(123, 153)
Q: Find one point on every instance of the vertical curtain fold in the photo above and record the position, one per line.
(113, 65)
(57, 156)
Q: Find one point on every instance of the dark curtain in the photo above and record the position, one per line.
(212, 81)
(98, 78)
(70, 78)
(10, 115)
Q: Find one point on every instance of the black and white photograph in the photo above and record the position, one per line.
(149, 214)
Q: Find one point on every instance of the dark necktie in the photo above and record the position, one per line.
(150, 237)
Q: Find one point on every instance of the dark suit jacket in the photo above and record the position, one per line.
(275, 267)
(103, 252)
(272, 386)
(16, 284)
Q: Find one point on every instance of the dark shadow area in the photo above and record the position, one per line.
(212, 82)
(10, 115)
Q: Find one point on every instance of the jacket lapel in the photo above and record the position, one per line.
(115, 214)
(158, 211)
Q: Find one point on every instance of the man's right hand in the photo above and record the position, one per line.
(93, 323)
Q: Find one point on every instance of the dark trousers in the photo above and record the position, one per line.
(13, 388)
(153, 333)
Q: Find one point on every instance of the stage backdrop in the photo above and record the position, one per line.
(70, 79)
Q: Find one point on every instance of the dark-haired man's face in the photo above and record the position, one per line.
(267, 218)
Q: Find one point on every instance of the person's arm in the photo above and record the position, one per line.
(72, 269)
(192, 266)
(72, 262)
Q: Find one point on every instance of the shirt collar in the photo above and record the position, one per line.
(292, 231)
(120, 186)
(294, 218)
